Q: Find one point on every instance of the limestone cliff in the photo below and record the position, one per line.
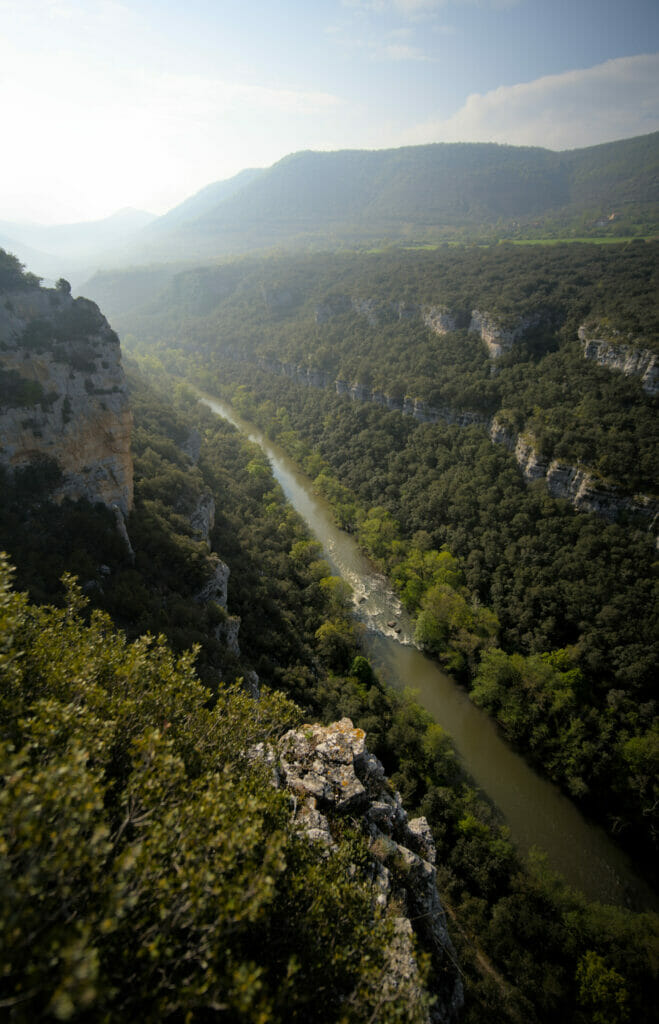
(499, 339)
(330, 775)
(215, 590)
(576, 484)
(495, 335)
(63, 392)
(608, 349)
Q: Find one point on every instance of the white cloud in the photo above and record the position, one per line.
(614, 100)
(416, 7)
(403, 51)
(394, 45)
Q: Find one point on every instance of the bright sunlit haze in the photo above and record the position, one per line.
(109, 105)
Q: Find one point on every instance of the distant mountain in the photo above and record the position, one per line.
(53, 250)
(436, 192)
(42, 263)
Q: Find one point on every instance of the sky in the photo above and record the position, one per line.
(107, 104)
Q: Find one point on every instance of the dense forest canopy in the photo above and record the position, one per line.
(363, 319)
(88, 704)
(548, 616)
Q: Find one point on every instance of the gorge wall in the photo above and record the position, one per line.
(630, 359)
(63, 393)
(576, 484)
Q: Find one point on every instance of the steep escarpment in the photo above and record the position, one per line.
(578, 485)
(150, 870)
(63, 394)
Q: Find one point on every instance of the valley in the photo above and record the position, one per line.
(359, 699)
(536, 813)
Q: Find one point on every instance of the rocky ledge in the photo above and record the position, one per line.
(330, 775)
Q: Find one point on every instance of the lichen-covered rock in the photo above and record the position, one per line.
(580, 487)
(500, 434)
(440, 320)
(497, 338)
(65, 394)
(320, 762)
(251, 682)
(532, 465)
(228, 631)
(331, 774)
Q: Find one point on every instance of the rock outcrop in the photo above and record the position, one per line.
(64, 393)
(577, 484)
(215, 589)
(497, 338)
(202, 517)
(331, 774)
(629, 359)
(440, 320)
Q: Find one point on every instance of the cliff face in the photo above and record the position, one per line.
(628, 359)
(63, 393)
(575, 484)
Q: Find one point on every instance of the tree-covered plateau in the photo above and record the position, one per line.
(362, 319)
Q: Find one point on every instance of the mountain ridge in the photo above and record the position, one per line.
(436, 191)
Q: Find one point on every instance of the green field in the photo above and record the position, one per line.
(593, 240)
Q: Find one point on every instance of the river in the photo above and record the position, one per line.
(536, 812)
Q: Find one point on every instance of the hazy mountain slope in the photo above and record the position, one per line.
(203, 202)
(438, 191)
(79, 239)
(615, 172)
(129, 289)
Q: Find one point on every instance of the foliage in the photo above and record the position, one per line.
(149, 870)
(522, 936)
(360, 319)
(538, 579)
(13, 274)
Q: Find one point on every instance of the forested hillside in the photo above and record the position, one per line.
(371, 321)
(548, 615)
(86, 705)
(445, 191)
